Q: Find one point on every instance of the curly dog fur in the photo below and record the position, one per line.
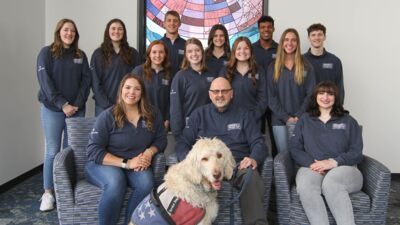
(198, 177)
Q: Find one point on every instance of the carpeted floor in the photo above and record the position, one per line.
(20, 205)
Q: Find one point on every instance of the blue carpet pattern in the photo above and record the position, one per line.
(20, 205)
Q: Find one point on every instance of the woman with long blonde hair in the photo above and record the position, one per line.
(291, 80)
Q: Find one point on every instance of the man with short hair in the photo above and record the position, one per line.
(327, 66)
(175, 44)
(264, 53)
(238, 130)
(265, 48)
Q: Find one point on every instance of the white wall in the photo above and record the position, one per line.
(91, 18)
(22, 36)
(364, 34)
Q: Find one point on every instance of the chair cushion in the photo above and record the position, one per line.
(360, 200)
(87, 194)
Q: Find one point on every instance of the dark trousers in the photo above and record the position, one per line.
(251, 200)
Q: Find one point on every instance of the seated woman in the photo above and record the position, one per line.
(327, 144)
(121, 145)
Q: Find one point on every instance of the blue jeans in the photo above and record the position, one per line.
(113, 181)
(53, 124)
(281, 138)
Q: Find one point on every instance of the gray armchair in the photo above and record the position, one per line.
(369, 204)
(77, 200)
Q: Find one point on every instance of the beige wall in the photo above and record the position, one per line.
(364, 35)
(22, 36)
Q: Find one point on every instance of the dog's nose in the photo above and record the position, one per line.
(217, 174)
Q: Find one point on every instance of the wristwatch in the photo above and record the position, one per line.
(124, 164)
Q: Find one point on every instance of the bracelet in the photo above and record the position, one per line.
(124, 164)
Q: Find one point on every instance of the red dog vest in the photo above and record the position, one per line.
(162, 207)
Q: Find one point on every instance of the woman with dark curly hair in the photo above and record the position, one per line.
(110, 62)
(327, 145)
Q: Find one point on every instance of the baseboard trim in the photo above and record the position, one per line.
(14, 182)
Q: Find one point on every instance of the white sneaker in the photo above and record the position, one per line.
(47, 203)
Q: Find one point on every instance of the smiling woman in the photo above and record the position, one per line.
(121, 146)
(190, 86)
(247, 79)
(327, 145)
(109, 63)
(290, 80)
(64, 78)
(156, 74)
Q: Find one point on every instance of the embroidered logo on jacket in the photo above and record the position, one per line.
(165, 82)
(94, 132)
(181, 51)
(234, 126)
(257, 76)
(327, 65)
(78, 61)
(339, 126)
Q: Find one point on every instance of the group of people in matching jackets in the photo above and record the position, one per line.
(216, 92)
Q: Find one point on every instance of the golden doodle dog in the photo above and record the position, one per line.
(189, 193)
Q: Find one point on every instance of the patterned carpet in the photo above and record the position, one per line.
(20, 205)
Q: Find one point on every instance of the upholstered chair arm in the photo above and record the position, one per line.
(284, 172)
(64, 177)
(158, 163)
(376, 183)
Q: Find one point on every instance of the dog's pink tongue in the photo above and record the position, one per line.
(217, 185)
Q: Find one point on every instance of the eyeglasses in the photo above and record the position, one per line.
(222, 91)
